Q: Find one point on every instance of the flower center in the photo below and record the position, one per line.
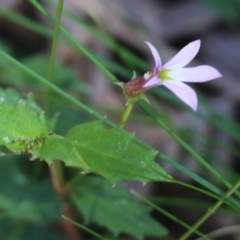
(163, 75)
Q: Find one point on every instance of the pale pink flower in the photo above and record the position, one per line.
(172, 74)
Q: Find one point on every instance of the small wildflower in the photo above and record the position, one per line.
(172, 75)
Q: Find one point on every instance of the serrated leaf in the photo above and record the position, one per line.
(11, 98)
(115, 154)
(20, 126)
(115, 209)
(57, 147)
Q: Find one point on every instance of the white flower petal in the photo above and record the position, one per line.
(152, 82)
(184, 92)
(184, 56)
(156, 56)
(201, 73)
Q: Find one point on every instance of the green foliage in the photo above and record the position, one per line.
(115, 154)
(101, 203)
(22, 198)
(92, 147)
(108, 152)
(20, 126)
(57, 147)
(11, 98)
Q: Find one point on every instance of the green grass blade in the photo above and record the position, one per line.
(85, 228)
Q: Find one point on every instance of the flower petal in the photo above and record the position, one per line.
(184, 92)
(195, 74)
(156, 56)
(184, 56)
(152, 82)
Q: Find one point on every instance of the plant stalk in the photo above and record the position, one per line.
(126, 114)
(50, 74)
(56, 167)
(211, 211)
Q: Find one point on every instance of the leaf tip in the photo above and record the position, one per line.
(21, 102)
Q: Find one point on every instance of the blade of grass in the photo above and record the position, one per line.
(26, 22)
(167, 214)
(210, 211)
(202, 161)
(85, 228)
(76, 44)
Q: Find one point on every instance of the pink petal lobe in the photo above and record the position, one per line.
(156, 56)
(152, 82)
(184, 92)
(201, 73)
(184, 56)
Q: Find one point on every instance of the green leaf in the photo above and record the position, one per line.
(19, 126)
(22, 198)
(115, 154)
(57, 147)
(11, 98)
(115, 209)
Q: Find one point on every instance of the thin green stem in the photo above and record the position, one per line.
(57, 22)
(126, 114)
(24, 21)
(211, 211)
(201, 160)
(167, 214)
(237, 209)
(56, 167)
(76, 44)
(55, 88)
(84, 228)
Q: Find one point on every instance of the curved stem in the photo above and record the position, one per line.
(126, 114)
(211, 211)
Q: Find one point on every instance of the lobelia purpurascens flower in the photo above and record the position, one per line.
(172, 75)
